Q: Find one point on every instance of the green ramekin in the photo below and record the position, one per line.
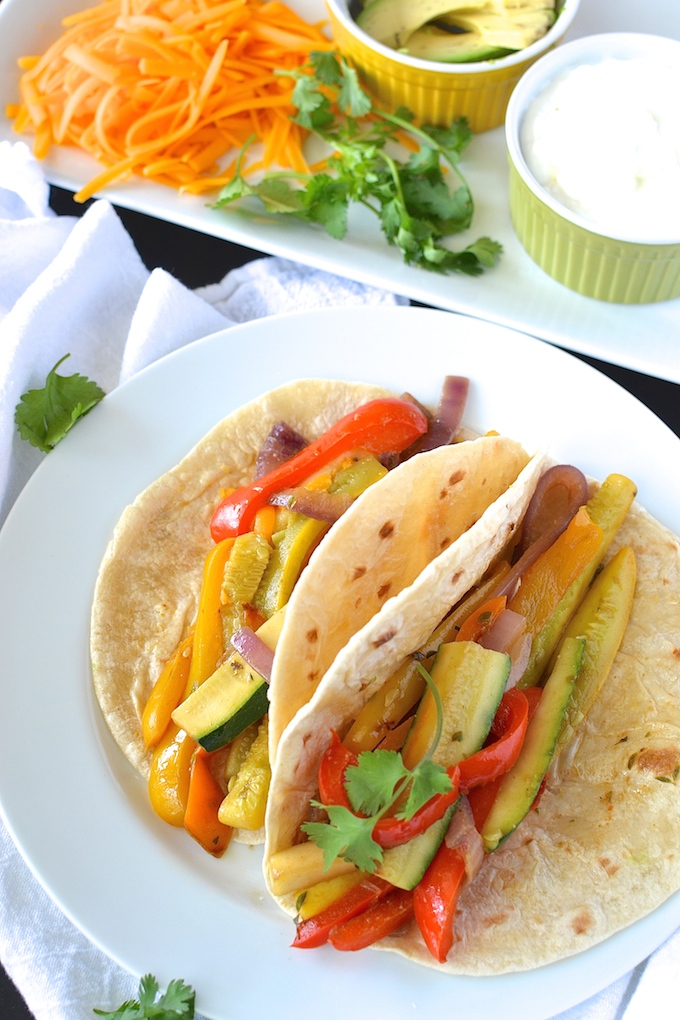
(568, 248)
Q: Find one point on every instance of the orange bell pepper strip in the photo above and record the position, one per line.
(555, 570)
(167, 693)
(479, 622)
(315, 931)
(383, 918)
(203, 802)
(386, 425)
(435, 899)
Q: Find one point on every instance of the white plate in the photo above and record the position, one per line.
(143, 891)
(517, 293)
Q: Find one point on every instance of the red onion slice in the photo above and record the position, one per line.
(321, 505)
(462, 836)
(447, 419)
(561, 490)
(282, 443)
(254, 650)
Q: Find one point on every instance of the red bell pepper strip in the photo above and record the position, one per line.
(380, 920)
(386, 425)
(435, 899)
(509, 727)
(481, 798)
(332, 773)
(315, 930)
(387, 832)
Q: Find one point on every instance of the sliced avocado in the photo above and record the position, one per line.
(231, 699)
(521, 784)
(432, 43)
(405, 865)
(470, 680)
(512, 30)
(392, 22)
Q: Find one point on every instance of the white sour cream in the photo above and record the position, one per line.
(604, 140)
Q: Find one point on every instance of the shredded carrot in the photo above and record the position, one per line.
(165, 89)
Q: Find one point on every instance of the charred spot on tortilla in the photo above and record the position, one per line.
(384, 589)
(609, 866)
(312, 636)
(458, 476)
(456, 577)
(358, 572)
(386, 530)
(664, 762)
(583, 922)
(384, 638)
(313, 676)
(445, 543)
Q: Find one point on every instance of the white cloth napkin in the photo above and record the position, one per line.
(78, 285)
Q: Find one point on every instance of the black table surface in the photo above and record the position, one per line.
(196, 260)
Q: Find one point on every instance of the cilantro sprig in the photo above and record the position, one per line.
(378, 782)
(176, 1003)
(411, 199)
(44, 416)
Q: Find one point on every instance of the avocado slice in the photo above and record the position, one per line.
(432, 43)
(392, 22)
(511, 30)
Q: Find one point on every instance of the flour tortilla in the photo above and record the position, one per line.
(149, 582)
(375, 551)
(603, 848)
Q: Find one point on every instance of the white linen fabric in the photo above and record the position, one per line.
(78, 285)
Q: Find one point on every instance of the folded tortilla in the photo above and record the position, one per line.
(602, 849)
(149, 582)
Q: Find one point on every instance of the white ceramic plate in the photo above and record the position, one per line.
(143, 891)
(517, 293)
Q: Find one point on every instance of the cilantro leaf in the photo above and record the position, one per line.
(176, 1003)
(428, 778)
(345, 835)
(371, 783)
(412, 200)
(44, 416)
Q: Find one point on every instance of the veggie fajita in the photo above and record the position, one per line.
(232, 583)
(485, 780)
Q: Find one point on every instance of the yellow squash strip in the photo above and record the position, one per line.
(208, 644)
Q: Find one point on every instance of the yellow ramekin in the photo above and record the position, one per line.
(437, 93)
(601, 265)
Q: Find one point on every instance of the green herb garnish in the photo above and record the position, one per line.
(43, 417)
(412, 200)
(177, 1003)
(377, 782)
